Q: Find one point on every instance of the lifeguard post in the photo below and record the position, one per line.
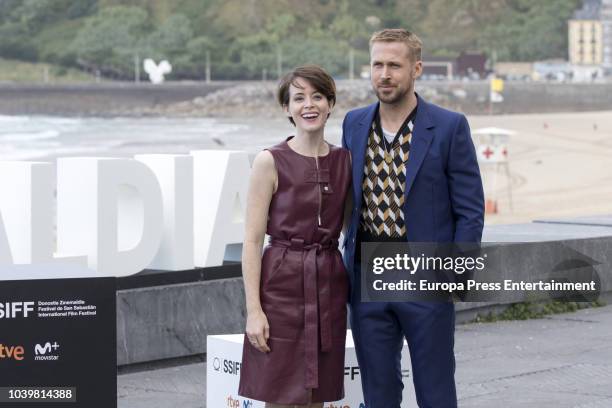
(492, 152)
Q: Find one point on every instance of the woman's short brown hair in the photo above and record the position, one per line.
(315, 75)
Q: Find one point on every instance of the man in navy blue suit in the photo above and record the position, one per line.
(415, 179)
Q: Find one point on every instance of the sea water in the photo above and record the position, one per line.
(49, 137)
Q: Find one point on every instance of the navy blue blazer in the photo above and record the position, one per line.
(444, 199)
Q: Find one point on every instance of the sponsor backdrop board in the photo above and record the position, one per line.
(58, 343)
(223, 361)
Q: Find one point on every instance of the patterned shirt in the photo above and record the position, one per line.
(384, 181)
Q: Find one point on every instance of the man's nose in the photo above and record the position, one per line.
(385, 72)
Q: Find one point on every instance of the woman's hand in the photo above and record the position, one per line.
(258, 330)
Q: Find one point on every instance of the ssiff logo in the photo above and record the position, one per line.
(229, 366)
(351, 372)
(12, 310)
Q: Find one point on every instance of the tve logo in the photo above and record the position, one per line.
(235, 402)
(11, 352)
(12, 310)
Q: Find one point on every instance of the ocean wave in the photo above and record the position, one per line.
(29, 136)
(7, 154)
(222, 128)
(13, 119)
(61, 121)
(48, 154)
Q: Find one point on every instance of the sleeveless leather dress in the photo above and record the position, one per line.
(304, 285)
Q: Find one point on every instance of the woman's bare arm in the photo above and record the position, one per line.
(262, 186)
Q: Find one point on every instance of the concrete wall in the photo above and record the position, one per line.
(171, 321)
(104, 99)
(111, 99)
(520, 97)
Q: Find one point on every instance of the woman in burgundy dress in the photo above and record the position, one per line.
(296, 291)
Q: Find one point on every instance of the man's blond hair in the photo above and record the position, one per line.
(411, 40)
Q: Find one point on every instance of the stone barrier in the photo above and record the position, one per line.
(173, 320)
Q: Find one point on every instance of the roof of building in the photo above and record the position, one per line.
(590, 10)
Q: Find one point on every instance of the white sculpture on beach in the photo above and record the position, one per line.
(157, 71)
(118, 216)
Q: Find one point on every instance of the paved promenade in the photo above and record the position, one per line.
(560, 361)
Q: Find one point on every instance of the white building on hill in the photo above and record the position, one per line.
(590, 39)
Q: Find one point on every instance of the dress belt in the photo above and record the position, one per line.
(317, 299)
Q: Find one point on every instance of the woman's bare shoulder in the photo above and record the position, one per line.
(264, 160)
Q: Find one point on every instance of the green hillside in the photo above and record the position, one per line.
(19, 71)
(247, 38)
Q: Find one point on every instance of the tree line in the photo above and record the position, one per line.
(249, 39)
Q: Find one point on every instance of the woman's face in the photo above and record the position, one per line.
(308, 107)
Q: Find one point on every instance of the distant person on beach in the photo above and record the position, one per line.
(296, 291)
(416, 179)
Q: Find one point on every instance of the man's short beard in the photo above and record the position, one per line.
(392, 99)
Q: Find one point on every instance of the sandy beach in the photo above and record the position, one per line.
(560, 165)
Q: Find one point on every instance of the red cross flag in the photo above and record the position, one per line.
(486, 153)
(492, 154)
(502, 153)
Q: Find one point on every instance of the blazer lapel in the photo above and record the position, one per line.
(362, 134)
(422, 135)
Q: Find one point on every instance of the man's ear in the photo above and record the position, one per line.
(418, 68)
